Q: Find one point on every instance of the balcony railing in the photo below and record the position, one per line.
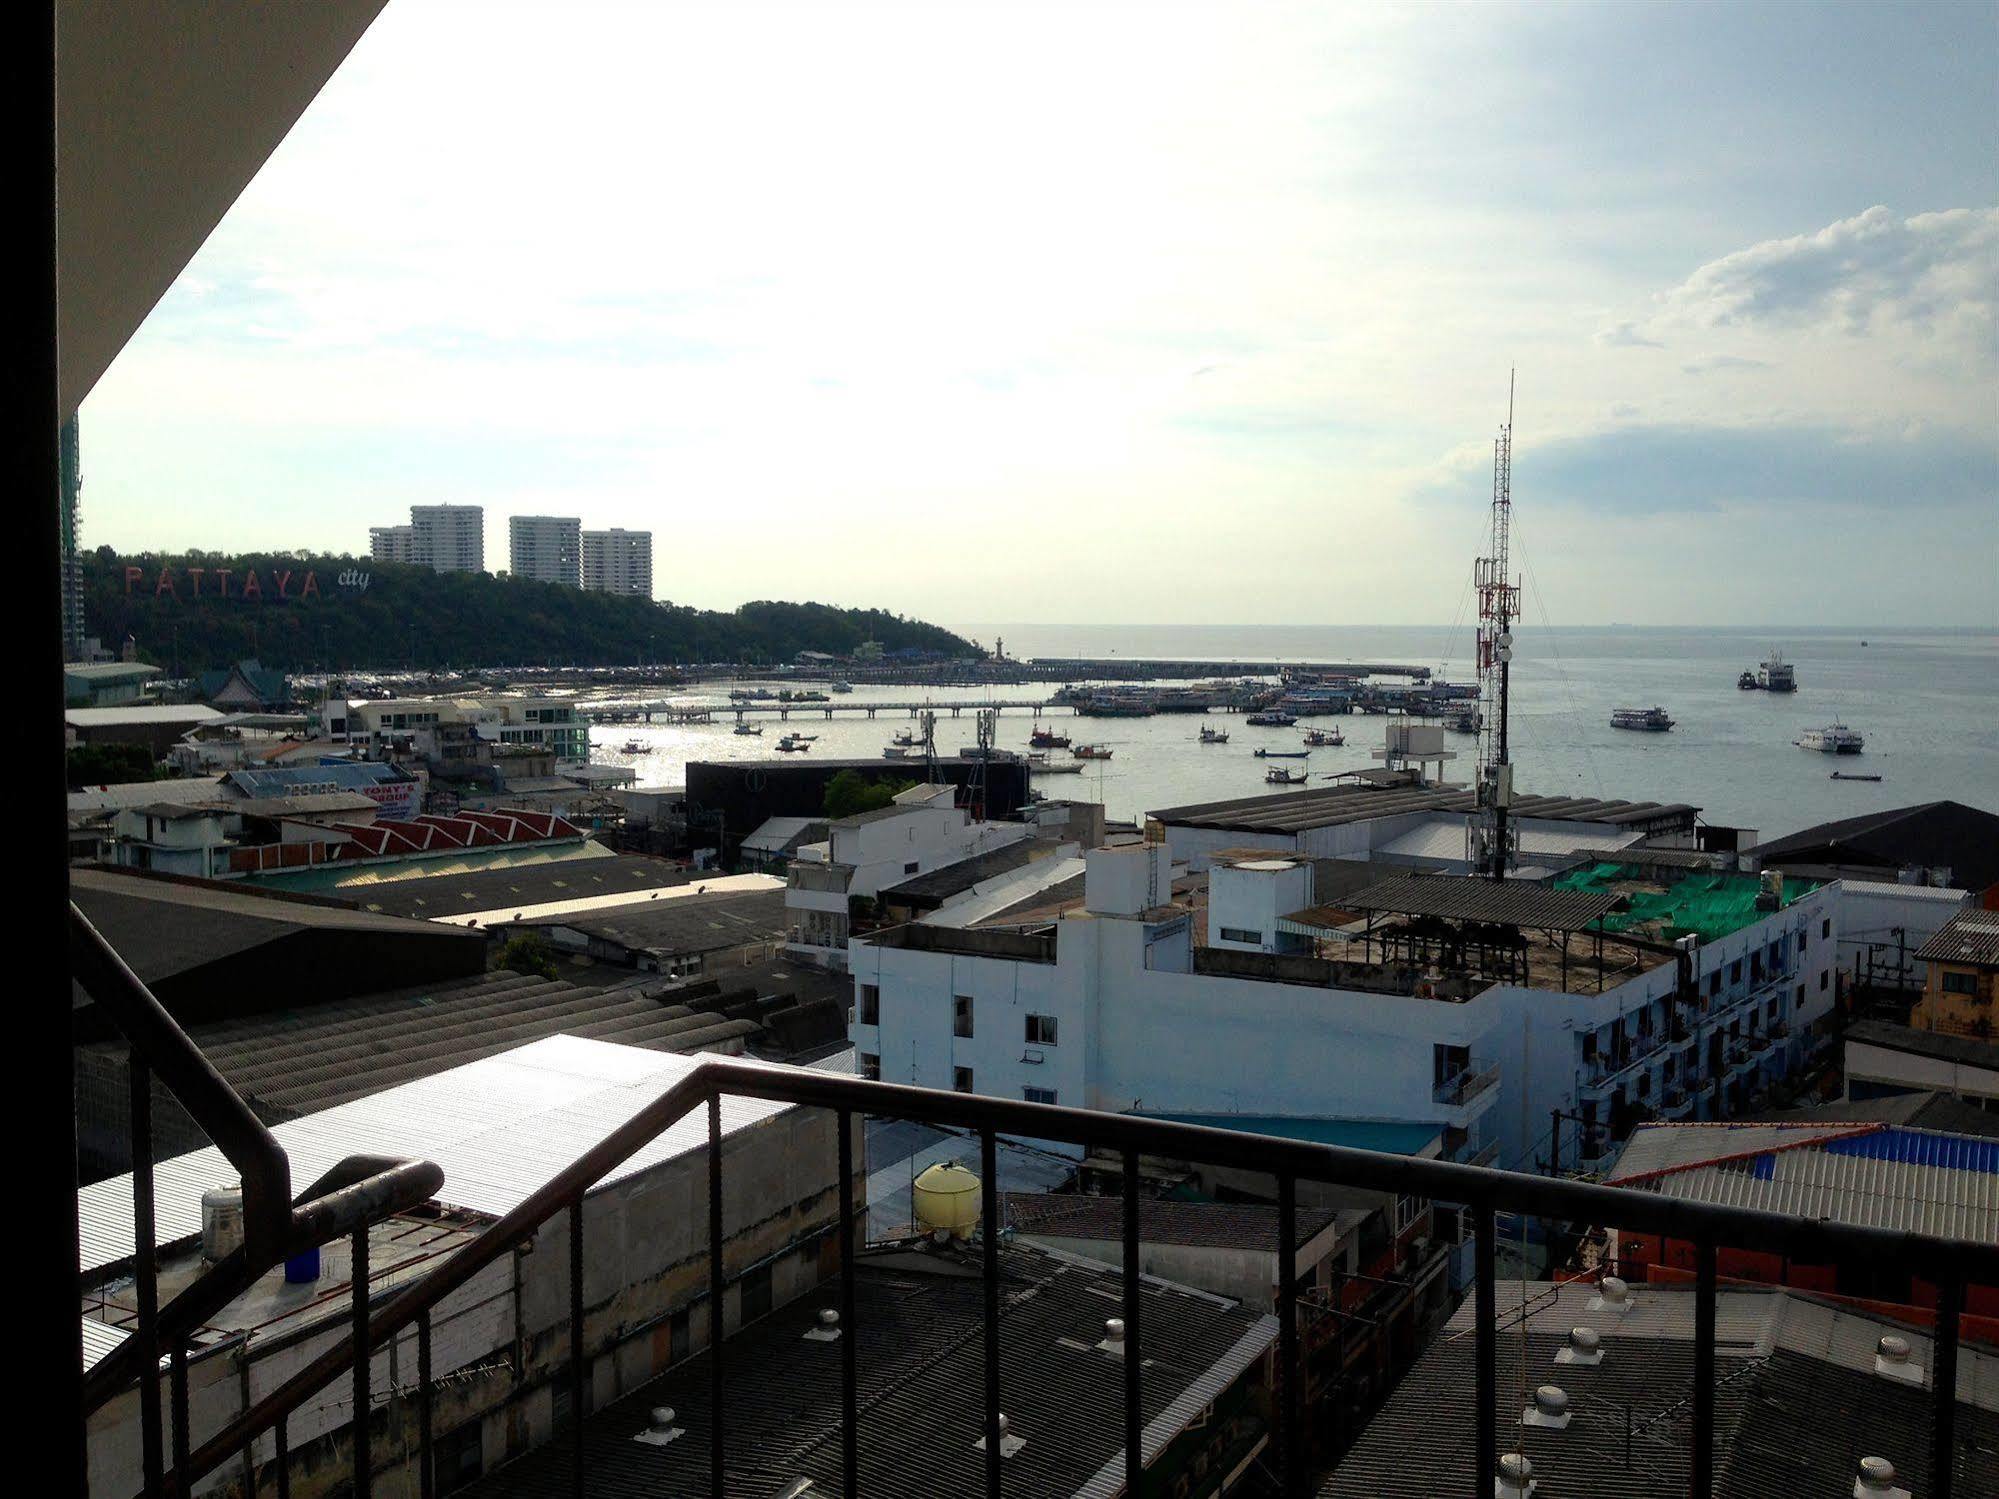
(1461, 1088)
(276, 1228)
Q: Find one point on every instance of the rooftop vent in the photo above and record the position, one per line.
(1550, 1409)
(1892, 1361)
(1612, 1295)
(1113, 1342)
(1009, 1443)
(660, 1428)
(826, 1329)
(1516, 1477)
(1876, 1480)
(221, 1222)
(1585, 1346)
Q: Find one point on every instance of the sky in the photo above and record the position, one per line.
(1105, 313)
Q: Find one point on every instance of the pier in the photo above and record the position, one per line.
(698, 713)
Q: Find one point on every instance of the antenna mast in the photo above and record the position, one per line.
(1491, 838)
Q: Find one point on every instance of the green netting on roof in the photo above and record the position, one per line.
(1707, 906)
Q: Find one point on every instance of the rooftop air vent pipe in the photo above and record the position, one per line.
(1612, 1295)
(1876, 1480)
(1892, 1361)
(826, 1329)
(1585, 1346)
(1516, 1477)
(1113, 1342)
(1550, 1409)
(660, 1428)
(1009, 1443)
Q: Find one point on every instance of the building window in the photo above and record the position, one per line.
(756, 1294)
(1804, 943)
(1041, 1030)
(1714, 983)
(1801, 996)
(1825, 927)
(457, 1458)
(1242, 934)
(871, 1066)
(871, 1005)
(1735, 971)
(961, 1080)
(912, 868)
(1960, 983)
(961, 1015)
(1038, 1095)
(1824, 974)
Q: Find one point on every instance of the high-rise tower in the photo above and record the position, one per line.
(1491, 839)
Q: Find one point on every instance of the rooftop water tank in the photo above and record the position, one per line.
(221, 1222)
(946, 1196)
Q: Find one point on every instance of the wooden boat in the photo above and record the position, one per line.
(1277, 775)
(1271, 754)
(1091, 752)
(1840, 775)
(1325, 738)
(1214, 736)
(1055, 767)
(749, 728)
(1047, 739)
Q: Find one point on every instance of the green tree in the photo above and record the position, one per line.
(110, 765)
(850, 792)
(529, 953)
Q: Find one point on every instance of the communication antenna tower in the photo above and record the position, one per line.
(927, 722)
(976, 788)
(1491, 838)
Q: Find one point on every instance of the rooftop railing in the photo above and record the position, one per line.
(276, 1227)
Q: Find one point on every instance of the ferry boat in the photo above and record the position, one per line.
(1047, 739)
(1747, 681)
(1833, 739)
(1277, 775)
(1322, 738)
(749, 728)
(1652, 720)
(1271, 754)
(1091, 752)
(1270, 719)
(1775, 675)
(1214, 736)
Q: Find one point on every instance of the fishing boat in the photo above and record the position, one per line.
(791, 743)
(1650, 720)
(1270, 719)
(1325, 738)
(1214, 736)
(1747, 681)
(1271, 754)
(904, 739)
(1833, 739)
(634, 747)
(1091, 752)
(902, 752)
(1055, 767)
(1465, 723)
(1845, 775)
(749, 728)
(1047, 739)
(1277, 775)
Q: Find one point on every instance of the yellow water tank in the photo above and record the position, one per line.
(947, 1197)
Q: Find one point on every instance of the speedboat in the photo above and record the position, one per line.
(1833, 739)
(1651, 720)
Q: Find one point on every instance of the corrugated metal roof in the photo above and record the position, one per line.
(137, 713)
(1467, 898)
(99, 1338)
(1653, 1148)
(1941, 894)
(1444, 838)
(1972, 937)
(1917, 1181)
(500, 1127)
(1345, 802)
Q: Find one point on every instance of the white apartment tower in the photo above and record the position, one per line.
(449, 538)
(618, 561)
(546, 548)
(392, 543)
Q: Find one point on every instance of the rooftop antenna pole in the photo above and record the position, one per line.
(1492, 835)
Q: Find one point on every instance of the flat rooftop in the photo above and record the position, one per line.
(1348, 802)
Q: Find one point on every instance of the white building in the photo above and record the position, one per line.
(439, 728)
(1127, 1004)
(449, 538)
(923, 830)
(546, 548)
(618, 561)
(392, 543)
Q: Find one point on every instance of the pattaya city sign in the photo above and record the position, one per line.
(279, 584)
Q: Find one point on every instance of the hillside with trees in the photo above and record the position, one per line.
(204, 610)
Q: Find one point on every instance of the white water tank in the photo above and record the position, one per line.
(221, 1222)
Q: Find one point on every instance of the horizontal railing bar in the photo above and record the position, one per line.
(1479, 1187)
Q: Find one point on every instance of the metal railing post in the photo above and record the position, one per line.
(850, 1419)
(1289, 1363)
(576, 1354)
(177, 1378)
(1943, 1385)
(717, 1284)
(146, 1271)
(363, 1367)
(281, 1455)
(1486, 1356)
(1134, 1360)
(1704, 1298)
(426, 1469)
(990, 1232)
